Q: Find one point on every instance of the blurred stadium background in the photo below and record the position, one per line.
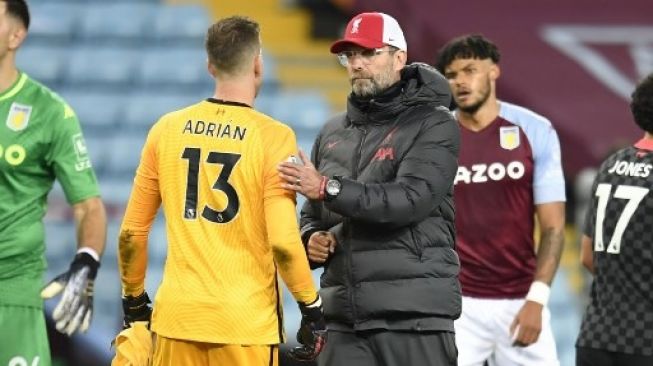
(121, 64)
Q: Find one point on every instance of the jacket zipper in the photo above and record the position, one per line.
(357, 157)
(354, 171)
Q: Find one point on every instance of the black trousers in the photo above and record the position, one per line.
(597, 357)
(389, 348)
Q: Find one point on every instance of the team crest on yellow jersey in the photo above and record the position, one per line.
(509, 137)
(18, 117)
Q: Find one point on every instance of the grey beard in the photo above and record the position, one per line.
(373, 86)
(366, 90)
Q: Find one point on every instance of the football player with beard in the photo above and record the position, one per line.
(509, 172)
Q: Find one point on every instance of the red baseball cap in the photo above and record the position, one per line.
(371, 30)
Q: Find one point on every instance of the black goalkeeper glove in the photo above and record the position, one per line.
(136, 309)
(75, 309)
(312, 333)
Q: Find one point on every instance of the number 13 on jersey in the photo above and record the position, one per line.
(228, 161)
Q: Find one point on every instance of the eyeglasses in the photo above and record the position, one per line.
(366, 55)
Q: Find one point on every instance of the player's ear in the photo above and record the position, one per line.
(211, 68)
(17, 35)
(258, 65)
(495, 72)
(400, 58)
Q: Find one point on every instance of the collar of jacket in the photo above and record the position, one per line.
(420, 84)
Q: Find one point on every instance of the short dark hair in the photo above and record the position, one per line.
(19, 10)
(467, 46)
(641, 104)
(230, 40)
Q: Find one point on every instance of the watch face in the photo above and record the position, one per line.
(333, 187)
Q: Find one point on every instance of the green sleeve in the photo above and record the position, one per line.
(69, 157)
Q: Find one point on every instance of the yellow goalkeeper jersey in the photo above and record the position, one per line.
(230, 225)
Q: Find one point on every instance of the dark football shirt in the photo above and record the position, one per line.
(619, 220)
(504, 170)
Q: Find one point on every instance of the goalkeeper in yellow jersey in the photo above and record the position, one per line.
(230, 224)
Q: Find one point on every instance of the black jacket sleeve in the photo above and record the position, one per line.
(424, 176)
(309, 222)
(311, 213)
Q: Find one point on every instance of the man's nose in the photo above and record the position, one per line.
(356, 62)
(459, 80)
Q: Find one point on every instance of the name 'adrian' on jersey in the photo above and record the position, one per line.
(212, 129)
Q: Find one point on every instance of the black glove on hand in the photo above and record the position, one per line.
(312, 333)
(75, 308)
(136, 309)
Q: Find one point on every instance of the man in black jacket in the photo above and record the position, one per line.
(380, 215)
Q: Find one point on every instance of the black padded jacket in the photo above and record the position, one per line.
(395, 265)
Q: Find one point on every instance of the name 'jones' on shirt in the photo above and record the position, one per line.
(480, 173)
(213, 129)
(630, 168)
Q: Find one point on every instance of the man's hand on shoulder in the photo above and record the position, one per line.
(302, 178)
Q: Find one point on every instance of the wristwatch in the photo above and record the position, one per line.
(332, 188)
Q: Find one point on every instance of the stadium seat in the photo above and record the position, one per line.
(108, 67)
(304, 111)
(107, 292)
(143, 110)
(111, 249)
(178, 68)
(53, 23)
(99, 150)
(43, 63)
(117, 23)
(116, 188)
(180, 23)
(305, 140)
(270, 76)
(313, 113)
(175, 68)
(98, 113)
(126, 153)
(264, 103)
(60, 244)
